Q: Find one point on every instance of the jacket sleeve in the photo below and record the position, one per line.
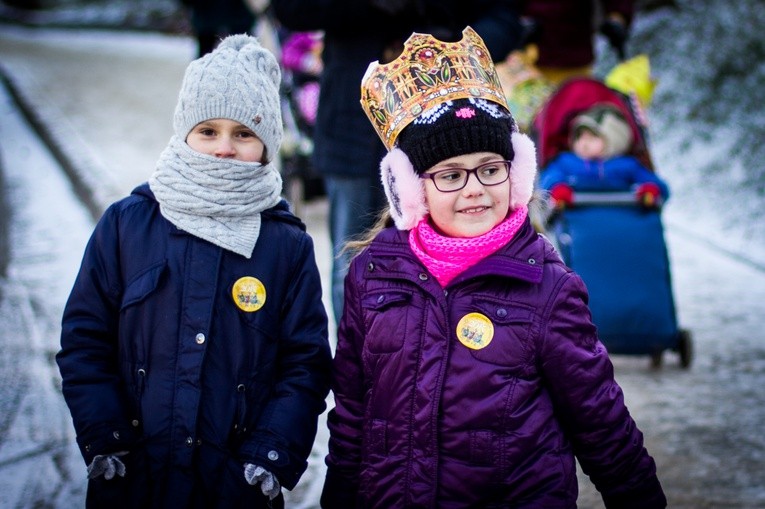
(285, 433)
(346, 419)
(590, 404)
(500, 28)
(644, 175)
(554, 173)
(88, 356)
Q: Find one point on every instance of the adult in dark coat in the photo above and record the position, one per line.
(212, 20)
(347, 151)
(564, 32)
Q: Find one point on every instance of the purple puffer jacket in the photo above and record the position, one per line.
(424, 421)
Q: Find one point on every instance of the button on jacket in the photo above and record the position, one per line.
(158, 358)
(424, 420)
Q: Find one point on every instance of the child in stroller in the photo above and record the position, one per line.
(599, 160)
(606, 216)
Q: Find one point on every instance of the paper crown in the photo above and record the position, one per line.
(428, 72)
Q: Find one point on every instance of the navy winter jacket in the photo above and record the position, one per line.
(159, 360)
(480, 394)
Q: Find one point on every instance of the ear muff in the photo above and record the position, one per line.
(404, 190)
(523, 170)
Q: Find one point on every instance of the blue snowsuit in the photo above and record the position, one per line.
(619, 173)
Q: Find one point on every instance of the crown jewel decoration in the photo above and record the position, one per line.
(427, 73)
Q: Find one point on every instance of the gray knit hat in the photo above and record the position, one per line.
(239, 81)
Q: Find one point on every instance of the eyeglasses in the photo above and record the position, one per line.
(454, 179)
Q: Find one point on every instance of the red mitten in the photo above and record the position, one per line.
(562, 196)
(648, 195)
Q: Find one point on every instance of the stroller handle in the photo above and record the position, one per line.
(604, 198)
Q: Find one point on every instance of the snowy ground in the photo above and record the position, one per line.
(108, 99)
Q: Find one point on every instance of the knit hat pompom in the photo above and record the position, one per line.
(239, 80)
(453, 128)
(607, 122)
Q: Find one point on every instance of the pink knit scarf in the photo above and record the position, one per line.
(446, 257)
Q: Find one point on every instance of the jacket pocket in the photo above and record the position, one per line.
(512, 325)
(483, 447)
(378, 437)
(385, 319)
(143, 285)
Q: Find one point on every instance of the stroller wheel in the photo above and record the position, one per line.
(685, 348)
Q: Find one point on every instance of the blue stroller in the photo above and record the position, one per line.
(616, 246)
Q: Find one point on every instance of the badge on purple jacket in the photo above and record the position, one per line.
(475, 331)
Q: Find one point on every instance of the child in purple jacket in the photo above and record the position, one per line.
(468, 372)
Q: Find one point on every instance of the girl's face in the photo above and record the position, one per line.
(473, 210)
(589, 145)
(227, 139)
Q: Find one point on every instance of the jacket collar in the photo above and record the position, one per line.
(522, 258)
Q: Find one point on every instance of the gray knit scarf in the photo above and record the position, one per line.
(218, 200)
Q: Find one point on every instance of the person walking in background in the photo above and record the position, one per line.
(301, 55)
(467, 371)
(599, 161)
(194, 351)
(212, 20)
(346, 149)
(563, 32)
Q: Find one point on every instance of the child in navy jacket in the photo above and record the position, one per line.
(194, 351)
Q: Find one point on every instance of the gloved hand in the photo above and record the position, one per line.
(648, 195)
(107, 465)
(562, 196)
(616, 33)
(268, 483)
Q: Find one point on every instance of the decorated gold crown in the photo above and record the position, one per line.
(428, 72)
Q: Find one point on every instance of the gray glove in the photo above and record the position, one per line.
(268, 483)
(107, 465)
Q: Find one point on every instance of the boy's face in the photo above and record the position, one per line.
(227, 139)
(589, 145)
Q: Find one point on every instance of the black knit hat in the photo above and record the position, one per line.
(454, 128)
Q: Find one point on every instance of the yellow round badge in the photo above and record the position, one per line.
(249, 294)
(475, 331)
